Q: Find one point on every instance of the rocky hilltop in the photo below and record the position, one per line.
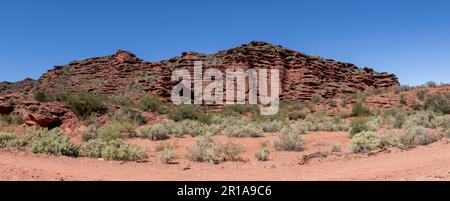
(303, 77)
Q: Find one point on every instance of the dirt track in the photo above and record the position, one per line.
(430, 162)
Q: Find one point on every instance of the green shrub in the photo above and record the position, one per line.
(421, 95)
(11, 119)
(289, 140)
(297, 128)
(90, 133)
(396, 117)
(117, 150)
(204, 151)
(128, 115)
(374, 123)
(150, 103)
(93, 148)
(294, 116)
(117, 130)
(41, 96)
(421, 118)
(416, 136)
(231, 151)
(262, 154)
(205, 130)
(440, 122)
(10, 140)
(323, 123)
(271, 126)
(359, 125)
(280, 116)
(183, 112)
(316, 99)
(447, 133)
(238, 109)
(51, 142)
(156, 132)
(359, 110)
(166, 156)
(172, 128)
(438, 103)
(390, 139)
(247, 130)
(85, 104)
(336, 147)
(162, 146)
(430, 84)
(365, 141)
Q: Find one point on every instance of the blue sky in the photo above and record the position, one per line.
(408, 38)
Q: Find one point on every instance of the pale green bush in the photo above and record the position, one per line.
(365, 141)
(166, 156)
(289, 140)
(10, 140)
(359, 125)
(204, 151)
(90, 133)
(93, 148)
(390, 139)
(116, 130)
(155, 132)
(415, 136)
(440, 122)
(421, 118)
(50, 142)
(323, 123)
(262, 154)
(272, 126)
(248, 130)
(230, 151)
(120, 151)
(396, 117)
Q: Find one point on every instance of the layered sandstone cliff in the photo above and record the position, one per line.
(302, 77)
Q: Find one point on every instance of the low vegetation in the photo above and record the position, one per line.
(205, 150)
(359, 125)
(438, 103)
(247, 130)
(231, 151)
(416, 136)
(156, 132)
(166, 156)
(289, 139)
(150, 103)
(359, 110)
(50, 142)
(262, 154)
(365, 141)
(85, 104)
(336, 147)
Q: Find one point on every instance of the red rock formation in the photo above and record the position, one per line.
(303, 77)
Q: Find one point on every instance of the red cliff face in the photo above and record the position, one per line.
(302, 77)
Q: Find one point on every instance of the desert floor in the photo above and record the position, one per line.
(431, 162)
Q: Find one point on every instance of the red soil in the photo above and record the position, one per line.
(430, 162)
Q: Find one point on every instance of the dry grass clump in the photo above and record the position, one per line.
(262, 154)
(289, 139)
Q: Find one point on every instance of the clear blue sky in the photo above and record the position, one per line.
(408, 38)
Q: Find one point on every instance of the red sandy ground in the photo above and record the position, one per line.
(430, 162)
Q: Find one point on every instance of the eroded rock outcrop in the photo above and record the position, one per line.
(303, 77)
